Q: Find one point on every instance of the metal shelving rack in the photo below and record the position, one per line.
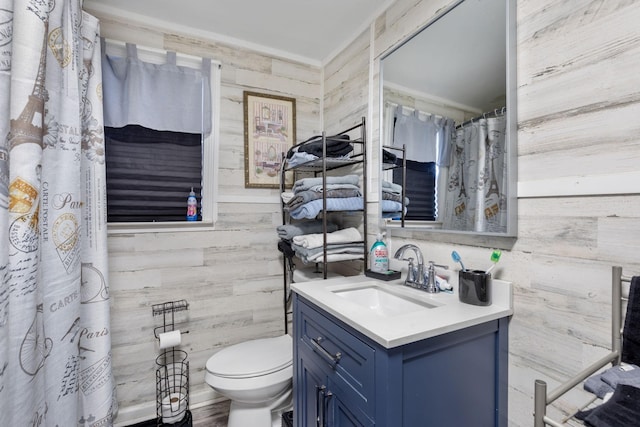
(320, 167)
(403, 168)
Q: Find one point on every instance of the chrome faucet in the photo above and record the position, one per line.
(417, 277)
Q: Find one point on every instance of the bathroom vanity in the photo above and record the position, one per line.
(372, 353)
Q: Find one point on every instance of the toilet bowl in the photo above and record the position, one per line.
(257, 377)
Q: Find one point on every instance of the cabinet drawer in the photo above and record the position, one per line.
(349, 362)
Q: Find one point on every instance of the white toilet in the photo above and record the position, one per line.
(257, 377)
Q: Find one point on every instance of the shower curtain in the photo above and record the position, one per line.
(55, 344)
(475, 197)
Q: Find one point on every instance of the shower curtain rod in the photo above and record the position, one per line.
(395, 104)
(487, 115)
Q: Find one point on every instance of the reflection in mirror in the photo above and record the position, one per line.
(447, 133)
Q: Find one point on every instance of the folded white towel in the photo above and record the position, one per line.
(333, 257)
(286, 196)
(346, 235)
(306, 183)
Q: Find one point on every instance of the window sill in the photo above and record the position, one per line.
(116, 228)
(396, 223)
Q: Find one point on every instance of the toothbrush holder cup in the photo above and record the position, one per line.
(474, 287)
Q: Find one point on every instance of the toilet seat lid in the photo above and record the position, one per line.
(252, 358)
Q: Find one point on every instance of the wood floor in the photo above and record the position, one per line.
(215, 415)
(212, 415)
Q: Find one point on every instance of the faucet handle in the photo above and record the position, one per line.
(411, 271)
(411, 264)
(430, 277)
(432, 265)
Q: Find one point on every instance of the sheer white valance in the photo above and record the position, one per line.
(164, 97)
(426, 136)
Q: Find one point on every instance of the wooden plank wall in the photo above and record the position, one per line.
(578, 148)
(577, 97)
(581, 63)
(231, 277)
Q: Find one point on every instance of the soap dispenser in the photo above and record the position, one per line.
(379, 256)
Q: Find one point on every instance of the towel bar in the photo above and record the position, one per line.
(542, 399)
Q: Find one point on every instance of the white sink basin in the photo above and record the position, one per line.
(406, 315)
(382, 301)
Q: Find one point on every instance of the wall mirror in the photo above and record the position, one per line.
(449, 123)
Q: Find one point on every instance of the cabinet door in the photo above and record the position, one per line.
(311, 386)
(334, 373)
(348, 361)
(321, 402)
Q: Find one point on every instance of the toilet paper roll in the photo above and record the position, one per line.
(169, 339)
(173, 407)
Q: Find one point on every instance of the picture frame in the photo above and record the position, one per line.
(269, 132)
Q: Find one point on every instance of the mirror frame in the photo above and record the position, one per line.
(502, 240)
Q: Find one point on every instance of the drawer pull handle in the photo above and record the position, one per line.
(332, 359)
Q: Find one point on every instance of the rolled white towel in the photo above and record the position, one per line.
(289, 231)
(346, 235)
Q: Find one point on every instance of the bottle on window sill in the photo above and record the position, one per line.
(192, 207)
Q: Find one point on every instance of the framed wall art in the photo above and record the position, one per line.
(269, 132)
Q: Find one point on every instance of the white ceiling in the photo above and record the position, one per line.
(460, 57)
(311, 30)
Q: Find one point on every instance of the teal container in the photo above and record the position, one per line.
(379, 256)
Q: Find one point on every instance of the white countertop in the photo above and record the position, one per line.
(448, 315)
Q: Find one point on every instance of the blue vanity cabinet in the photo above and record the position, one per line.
(343, 378)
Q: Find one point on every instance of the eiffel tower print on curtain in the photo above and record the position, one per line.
(27, 128)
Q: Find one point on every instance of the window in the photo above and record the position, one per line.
(421, 189)
(154, 158)
(150, 173)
